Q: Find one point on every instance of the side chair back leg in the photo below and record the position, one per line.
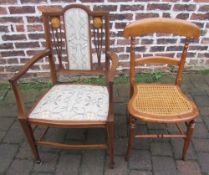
(188, 138)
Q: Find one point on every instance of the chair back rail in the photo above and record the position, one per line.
(157, 60)
(162, 25)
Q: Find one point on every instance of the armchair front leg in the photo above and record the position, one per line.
(110, 121)
(13, 81)
(22, 116)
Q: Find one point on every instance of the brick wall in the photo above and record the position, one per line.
(21, 30)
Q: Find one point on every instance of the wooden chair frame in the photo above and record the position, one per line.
(108, 72)
(168, 26)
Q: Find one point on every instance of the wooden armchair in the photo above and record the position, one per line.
(78, 38)
(160, 103)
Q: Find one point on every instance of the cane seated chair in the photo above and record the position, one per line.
(160, 103)
(79, 39)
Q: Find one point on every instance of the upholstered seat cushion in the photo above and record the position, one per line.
(72, 103)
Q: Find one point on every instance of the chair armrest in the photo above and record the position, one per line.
(16, 77)
(112, 71)
(29, 64)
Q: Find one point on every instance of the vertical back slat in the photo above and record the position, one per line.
(56, 33)
(182, 62)
(132, 64)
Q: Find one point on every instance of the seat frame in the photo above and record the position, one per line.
(168, 26)
(47, 14)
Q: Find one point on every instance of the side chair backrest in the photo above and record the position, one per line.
(160, 25)
(78, 37)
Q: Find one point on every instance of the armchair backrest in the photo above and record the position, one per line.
(78, 37)
(77, 33)
(160, 25)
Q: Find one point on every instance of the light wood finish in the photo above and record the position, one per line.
(161, 136)
(162, 25)
(54, 39)
(157, 60)
(97, 22)
(187, 141)
(160, 103)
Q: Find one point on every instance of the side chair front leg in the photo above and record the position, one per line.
(189, 132)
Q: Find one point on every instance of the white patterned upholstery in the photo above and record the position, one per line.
(77, 38)
(73, 102)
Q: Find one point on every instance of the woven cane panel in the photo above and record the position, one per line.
(163, 100)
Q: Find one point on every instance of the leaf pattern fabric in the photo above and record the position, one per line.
(73, 103)
(78, 39)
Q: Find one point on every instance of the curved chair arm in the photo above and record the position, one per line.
(112, 71)
(29, 64)
(16, 77)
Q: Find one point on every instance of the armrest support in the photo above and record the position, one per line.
(110, 77)
(16, 77)
(112, 71)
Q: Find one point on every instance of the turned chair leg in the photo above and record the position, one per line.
(110, 135)
(131, 138)
(30, 138)
(190, 128)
